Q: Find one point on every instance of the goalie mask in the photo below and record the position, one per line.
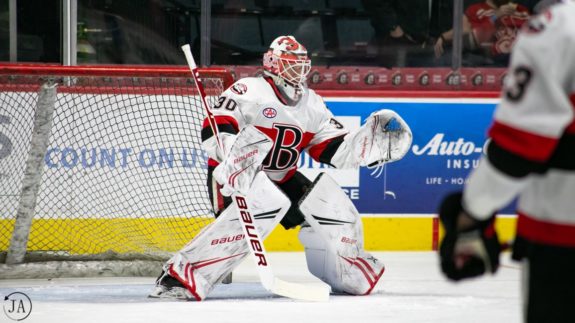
(287, 63)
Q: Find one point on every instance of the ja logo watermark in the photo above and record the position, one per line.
(17, 306)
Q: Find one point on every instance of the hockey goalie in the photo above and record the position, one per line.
(263, 125)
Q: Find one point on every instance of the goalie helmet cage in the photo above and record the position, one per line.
(101, 167)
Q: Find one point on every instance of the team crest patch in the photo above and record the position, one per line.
(269, 113)
(239, 88)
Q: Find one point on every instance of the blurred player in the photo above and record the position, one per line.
(281, 107)
(531, 156)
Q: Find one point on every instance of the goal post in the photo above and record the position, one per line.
(32, 173)
(101, 162)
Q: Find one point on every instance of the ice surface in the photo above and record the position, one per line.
(411, 290)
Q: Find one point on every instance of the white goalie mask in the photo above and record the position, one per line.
(286, 61)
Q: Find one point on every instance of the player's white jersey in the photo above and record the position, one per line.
(256, 101)
(532, 152)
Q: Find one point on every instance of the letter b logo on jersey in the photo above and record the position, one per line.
(285, 152)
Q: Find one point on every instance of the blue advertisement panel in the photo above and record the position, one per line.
(448, 139)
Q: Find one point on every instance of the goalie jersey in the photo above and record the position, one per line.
(532, 151)
(307, 125)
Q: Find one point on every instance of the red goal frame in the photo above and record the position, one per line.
(36, 71)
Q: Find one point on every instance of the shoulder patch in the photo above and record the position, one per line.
(269, 113)
(239, 88)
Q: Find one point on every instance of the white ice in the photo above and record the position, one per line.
(411, 290)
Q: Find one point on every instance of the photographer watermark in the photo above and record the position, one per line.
(17, 306)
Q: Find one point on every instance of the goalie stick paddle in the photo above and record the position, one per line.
(269, 281)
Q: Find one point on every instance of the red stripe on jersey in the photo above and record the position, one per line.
(571, 127)
(525, 144)
(535, 230)
(273, 135)
(222, 120)
(307, 137)
(276, 90)
(318, 149)
(287, 176)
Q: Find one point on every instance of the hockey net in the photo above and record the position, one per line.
(101, 168)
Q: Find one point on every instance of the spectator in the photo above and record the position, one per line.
(531, 4)
(401, 29)
(491, 27)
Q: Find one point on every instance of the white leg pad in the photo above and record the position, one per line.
(333, 240)
(221, 246)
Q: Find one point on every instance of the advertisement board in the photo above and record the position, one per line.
(448, 139)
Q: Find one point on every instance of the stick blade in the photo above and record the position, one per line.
(313, 293)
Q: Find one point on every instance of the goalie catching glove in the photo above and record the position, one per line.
(383, 138)
(468, 249)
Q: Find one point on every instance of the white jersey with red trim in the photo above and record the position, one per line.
(307, 125)
(532, 151)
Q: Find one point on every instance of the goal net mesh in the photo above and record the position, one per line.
(123, 173)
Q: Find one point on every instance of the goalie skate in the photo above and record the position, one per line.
(171, 288)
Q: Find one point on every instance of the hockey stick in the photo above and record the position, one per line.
(255, 243)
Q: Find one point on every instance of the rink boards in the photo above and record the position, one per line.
(382, 232)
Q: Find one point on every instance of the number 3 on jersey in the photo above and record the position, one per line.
(226, 103)
(520, 79)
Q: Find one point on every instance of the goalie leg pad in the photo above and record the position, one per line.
(220, 247)
(333, 240)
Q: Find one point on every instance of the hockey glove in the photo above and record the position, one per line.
(466, 252)
(384, 138)
(237, 172)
